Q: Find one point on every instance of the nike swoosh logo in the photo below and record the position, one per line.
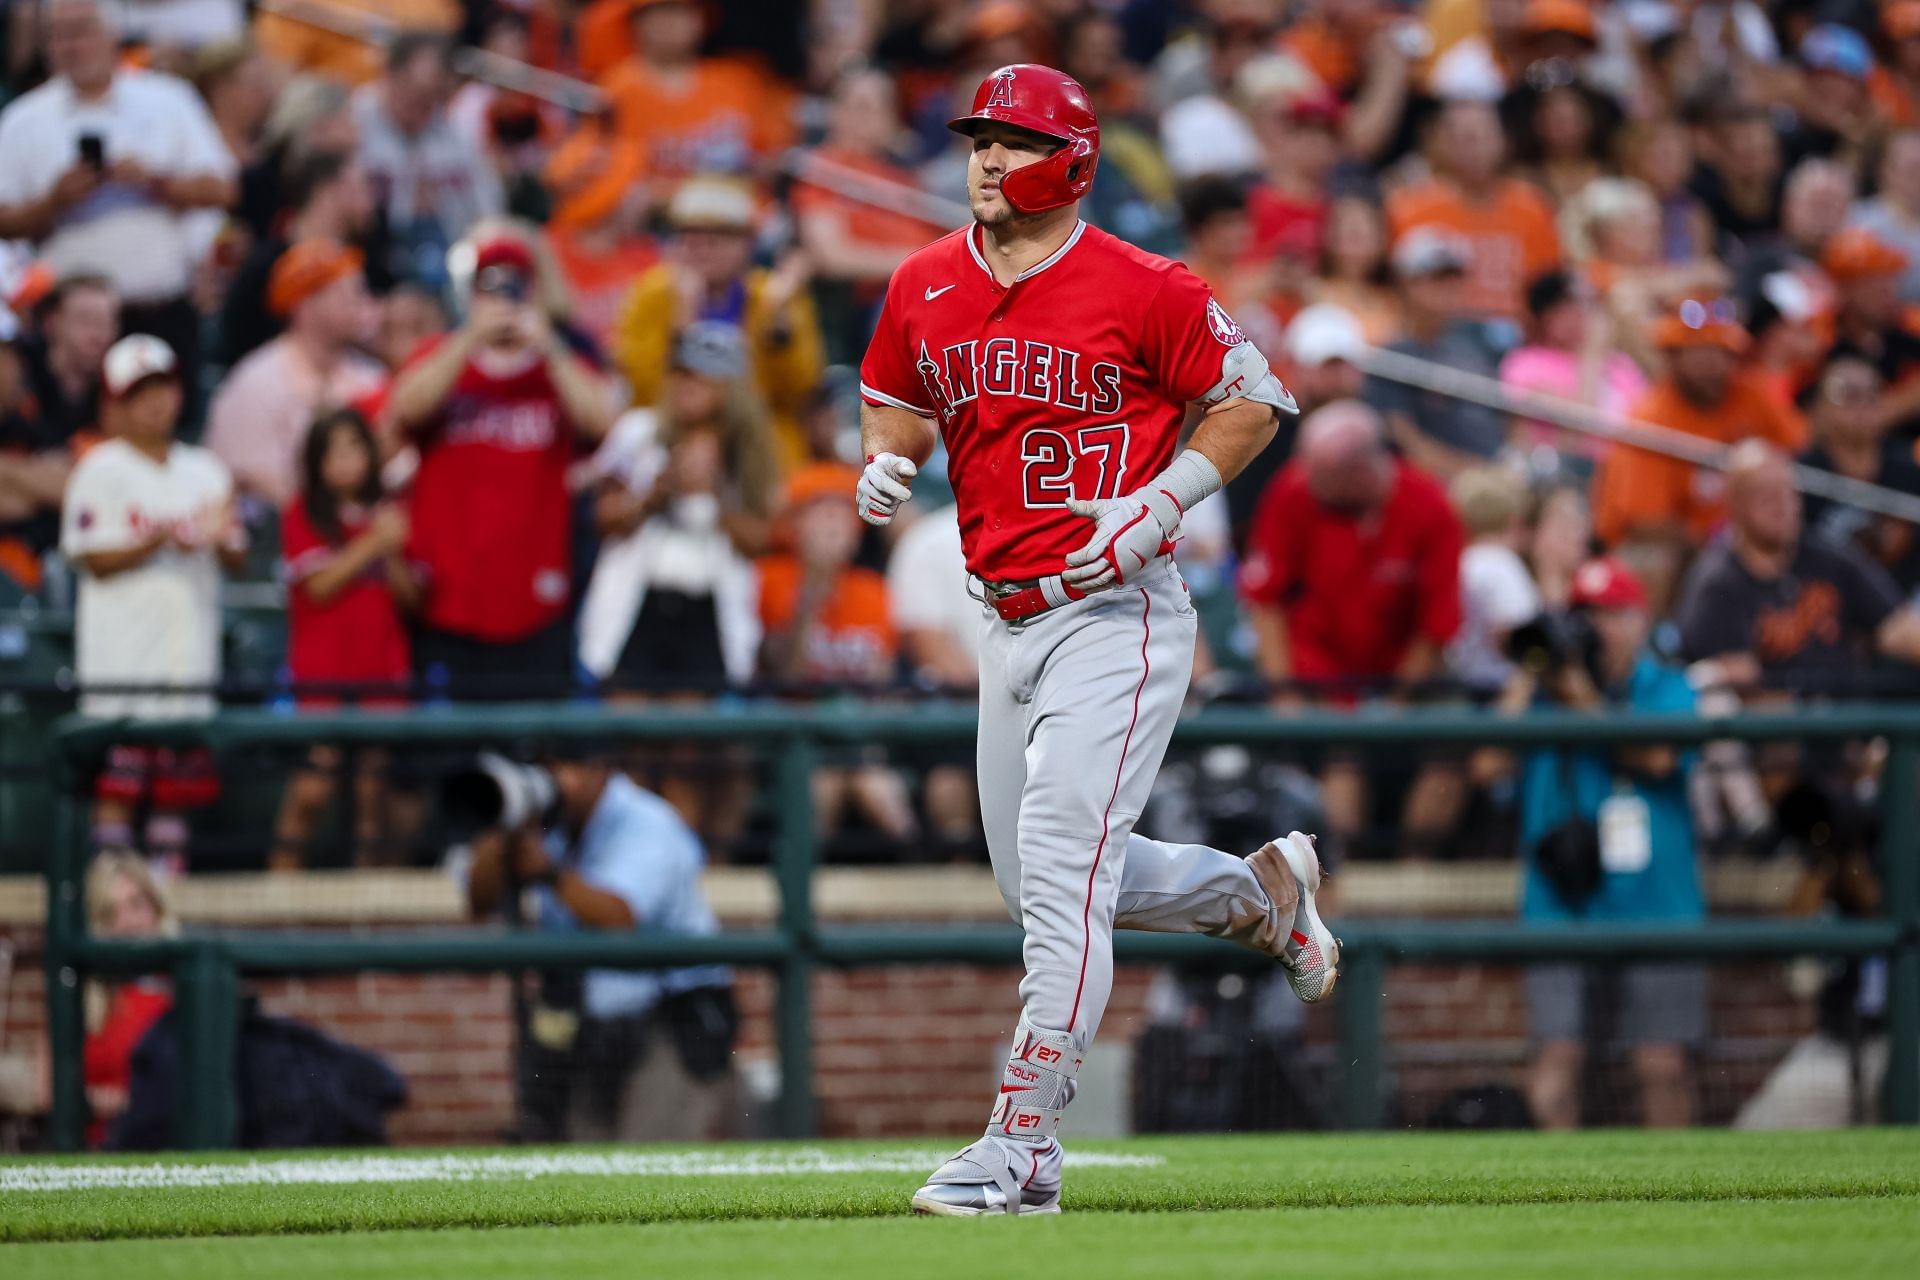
(1015, 1088)
(934, 293)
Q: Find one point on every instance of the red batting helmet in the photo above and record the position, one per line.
(1027, 95)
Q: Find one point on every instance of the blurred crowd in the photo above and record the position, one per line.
(515, 338)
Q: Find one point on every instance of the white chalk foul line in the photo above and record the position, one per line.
(346, 1170)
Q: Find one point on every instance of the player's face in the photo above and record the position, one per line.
(998, 150)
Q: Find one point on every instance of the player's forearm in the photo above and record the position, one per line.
(1232, 434)
(885, 429)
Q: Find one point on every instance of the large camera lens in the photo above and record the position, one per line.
(495, 792)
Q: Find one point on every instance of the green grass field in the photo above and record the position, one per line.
(1599, 1204)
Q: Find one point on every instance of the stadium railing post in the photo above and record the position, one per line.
(1900, 862)
(1362, 1053)
(793, 1007)
(206, 1001)
(66, 928)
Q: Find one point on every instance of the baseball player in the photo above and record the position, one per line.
(1059, 364)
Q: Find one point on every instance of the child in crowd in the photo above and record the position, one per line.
(349, 587)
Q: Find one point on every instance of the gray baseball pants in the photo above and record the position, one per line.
(1076, 708)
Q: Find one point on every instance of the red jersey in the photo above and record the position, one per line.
(356, 637)
(1356, 595)
(1072, 382)
(491, 514)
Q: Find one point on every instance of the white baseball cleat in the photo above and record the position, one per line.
(1310, 953)
(989, 1176)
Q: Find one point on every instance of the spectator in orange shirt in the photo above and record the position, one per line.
(1654, 511)
(828, 621)
(692, 114)
(1508, 226)
(597, 228)
(856, 242)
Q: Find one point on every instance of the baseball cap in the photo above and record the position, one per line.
(134, 359)
(1324, 332)
(1316, 106)
(708, 202)
(1701, 324)
(1606, 583)
(1832, 47)
(1858, 254)
(503, 251)
(305, 269)
(711, 348)
(1429, 250)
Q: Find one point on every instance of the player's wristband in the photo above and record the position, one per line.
(1188, 480)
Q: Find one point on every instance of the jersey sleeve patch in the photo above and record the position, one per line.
(1224, 330)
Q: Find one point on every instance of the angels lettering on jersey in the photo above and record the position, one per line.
(1023, 367)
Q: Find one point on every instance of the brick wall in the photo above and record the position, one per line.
(906, 1050)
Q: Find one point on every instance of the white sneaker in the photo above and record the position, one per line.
(991, 1175)
(1310, 953)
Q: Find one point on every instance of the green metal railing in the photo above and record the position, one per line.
(207, 967)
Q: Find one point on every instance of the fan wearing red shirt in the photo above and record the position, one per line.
(348, 585)
(498, 409)
(1352, 575)
(1058, 365)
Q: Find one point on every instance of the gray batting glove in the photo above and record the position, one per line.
(1128, 533)
(883, 487)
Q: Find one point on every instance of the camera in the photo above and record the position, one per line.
(495, 792)
(502, 282)
(1554, 641)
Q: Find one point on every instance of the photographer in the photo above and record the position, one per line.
(608, 1055)
(1607, 837)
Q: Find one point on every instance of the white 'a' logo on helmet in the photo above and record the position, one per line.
(1002, 95)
